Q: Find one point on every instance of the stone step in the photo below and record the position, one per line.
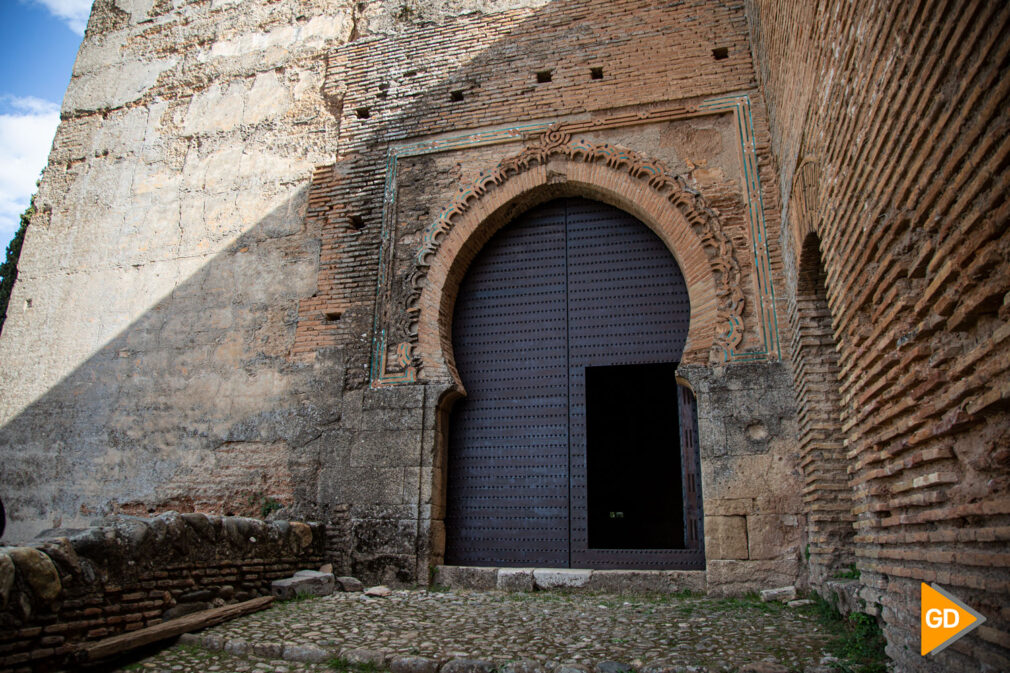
(531, 579)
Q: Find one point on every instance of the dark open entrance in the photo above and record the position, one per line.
(636, 500)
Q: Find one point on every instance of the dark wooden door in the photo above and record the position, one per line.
(507, 500)
(571, 285)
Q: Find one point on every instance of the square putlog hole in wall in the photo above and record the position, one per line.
(543, 76)
(456, 96)
(332, 316)
(356, 222)
(719, 53)
(363, 113)
(596, 73)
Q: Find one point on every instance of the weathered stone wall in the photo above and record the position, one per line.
(125, 573)
(754, 514)
(149, 337)
(901, 107)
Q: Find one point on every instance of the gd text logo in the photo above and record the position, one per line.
(944, 619)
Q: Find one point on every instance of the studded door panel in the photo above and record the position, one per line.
(507, 499)
(572, 284)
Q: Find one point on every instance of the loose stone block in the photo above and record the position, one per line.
(515, 579)
(380, 591)
(843, 594)
(350, 584)
(311, 582)
(560, 578)
(781, 594)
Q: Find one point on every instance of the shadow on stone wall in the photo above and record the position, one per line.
(194, 406)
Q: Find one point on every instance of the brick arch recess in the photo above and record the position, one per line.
(665, 204)
(827, 493)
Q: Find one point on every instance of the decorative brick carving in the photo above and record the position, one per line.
(557, 142)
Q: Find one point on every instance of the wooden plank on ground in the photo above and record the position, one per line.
(174, 627)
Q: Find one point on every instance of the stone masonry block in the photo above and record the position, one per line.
(553, 578)
(772, 536)
(386, 448)
(735, 578)
(515, 579)
(466, 577)
(726, 537)
(660, 581)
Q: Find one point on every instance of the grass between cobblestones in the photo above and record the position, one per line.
(860, 642)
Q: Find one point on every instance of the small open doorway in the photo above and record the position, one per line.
(633, 461)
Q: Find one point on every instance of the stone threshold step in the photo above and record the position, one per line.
(532, 579)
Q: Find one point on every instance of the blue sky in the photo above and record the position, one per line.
(38, 44)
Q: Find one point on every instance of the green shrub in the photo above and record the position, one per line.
(858, 642)
(9, 269)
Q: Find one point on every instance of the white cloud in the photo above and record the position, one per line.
(73, 12)
(27, 127)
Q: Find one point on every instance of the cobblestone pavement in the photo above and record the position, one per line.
(652, 633)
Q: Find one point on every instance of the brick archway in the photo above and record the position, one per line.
(558, 167)
(827, 493)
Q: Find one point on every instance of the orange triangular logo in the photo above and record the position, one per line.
(944, 619)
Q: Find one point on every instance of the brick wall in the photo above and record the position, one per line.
(903, 106)
(129, 573)
(479, 71)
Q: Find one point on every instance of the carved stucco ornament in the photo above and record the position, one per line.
(704, 221)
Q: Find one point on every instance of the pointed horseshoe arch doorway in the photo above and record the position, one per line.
(575, 446)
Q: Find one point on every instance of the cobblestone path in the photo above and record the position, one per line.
(645, 632)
